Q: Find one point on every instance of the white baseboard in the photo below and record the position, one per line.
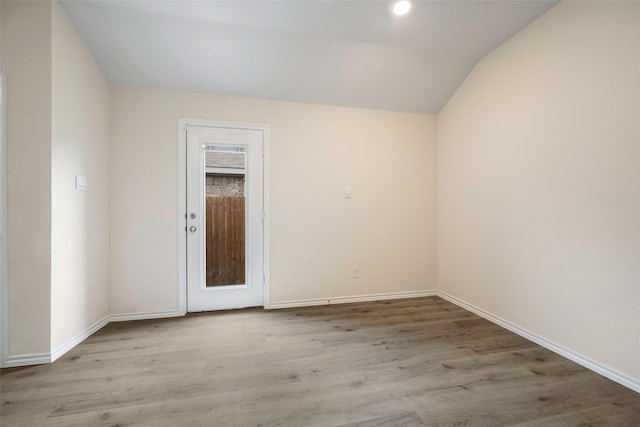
(350, 299)
(297, 303)
(550, 345)
(38, 359)
(41, 358)
(27, 359)
(123, 317)
(57, 353)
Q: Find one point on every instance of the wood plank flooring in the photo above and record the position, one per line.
(413, 362)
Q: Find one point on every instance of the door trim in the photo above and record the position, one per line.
(4, 277)
(182, 203)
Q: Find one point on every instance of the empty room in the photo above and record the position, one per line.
(319, 213)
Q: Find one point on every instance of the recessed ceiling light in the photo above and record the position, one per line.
(401, 7)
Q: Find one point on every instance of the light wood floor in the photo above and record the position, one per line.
(407, 362)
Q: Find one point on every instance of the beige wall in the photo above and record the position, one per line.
(58, 126)
(80, 146)
(26, 60)
(538, 202)
(387, 229)
(538, 182)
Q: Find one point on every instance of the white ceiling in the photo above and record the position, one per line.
(352, 53)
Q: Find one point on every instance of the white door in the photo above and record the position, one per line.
(225, 218)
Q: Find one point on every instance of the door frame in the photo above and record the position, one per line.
(4, 277)
(182, 204)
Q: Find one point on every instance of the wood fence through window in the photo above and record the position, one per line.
(225, 241)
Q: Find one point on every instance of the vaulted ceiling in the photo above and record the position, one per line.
(351, 53)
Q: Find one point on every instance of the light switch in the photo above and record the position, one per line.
(347, 192)
(81, 183)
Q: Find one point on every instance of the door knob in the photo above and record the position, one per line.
(192, 229)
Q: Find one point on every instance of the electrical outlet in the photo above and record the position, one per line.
(356, 272)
